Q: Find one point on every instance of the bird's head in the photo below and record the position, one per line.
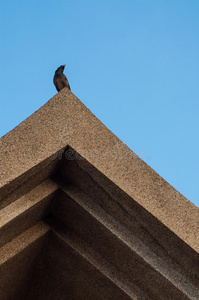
(60, 69)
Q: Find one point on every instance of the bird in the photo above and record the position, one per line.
(60, 81)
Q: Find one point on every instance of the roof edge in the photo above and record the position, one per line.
(63, 121)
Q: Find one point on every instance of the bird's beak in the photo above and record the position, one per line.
(64, 66)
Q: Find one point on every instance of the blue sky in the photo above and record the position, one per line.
(133, 63)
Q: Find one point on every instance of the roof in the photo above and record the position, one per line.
(72, 194)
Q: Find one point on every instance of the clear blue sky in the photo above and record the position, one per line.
(133, 63)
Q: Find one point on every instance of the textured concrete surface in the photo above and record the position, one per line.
(61, 267)
(17, 261)
(82, 217)
(26, 211)
(63, 121)
(128, 212)
(109, 238)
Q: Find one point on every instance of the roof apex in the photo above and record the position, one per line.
(63, 121)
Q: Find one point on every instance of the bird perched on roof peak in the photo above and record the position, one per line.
(60, 81)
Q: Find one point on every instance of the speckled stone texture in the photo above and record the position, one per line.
(83, 217)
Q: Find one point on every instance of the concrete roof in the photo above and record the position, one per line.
(62, 145)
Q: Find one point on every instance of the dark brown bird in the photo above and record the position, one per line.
(60, 81)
